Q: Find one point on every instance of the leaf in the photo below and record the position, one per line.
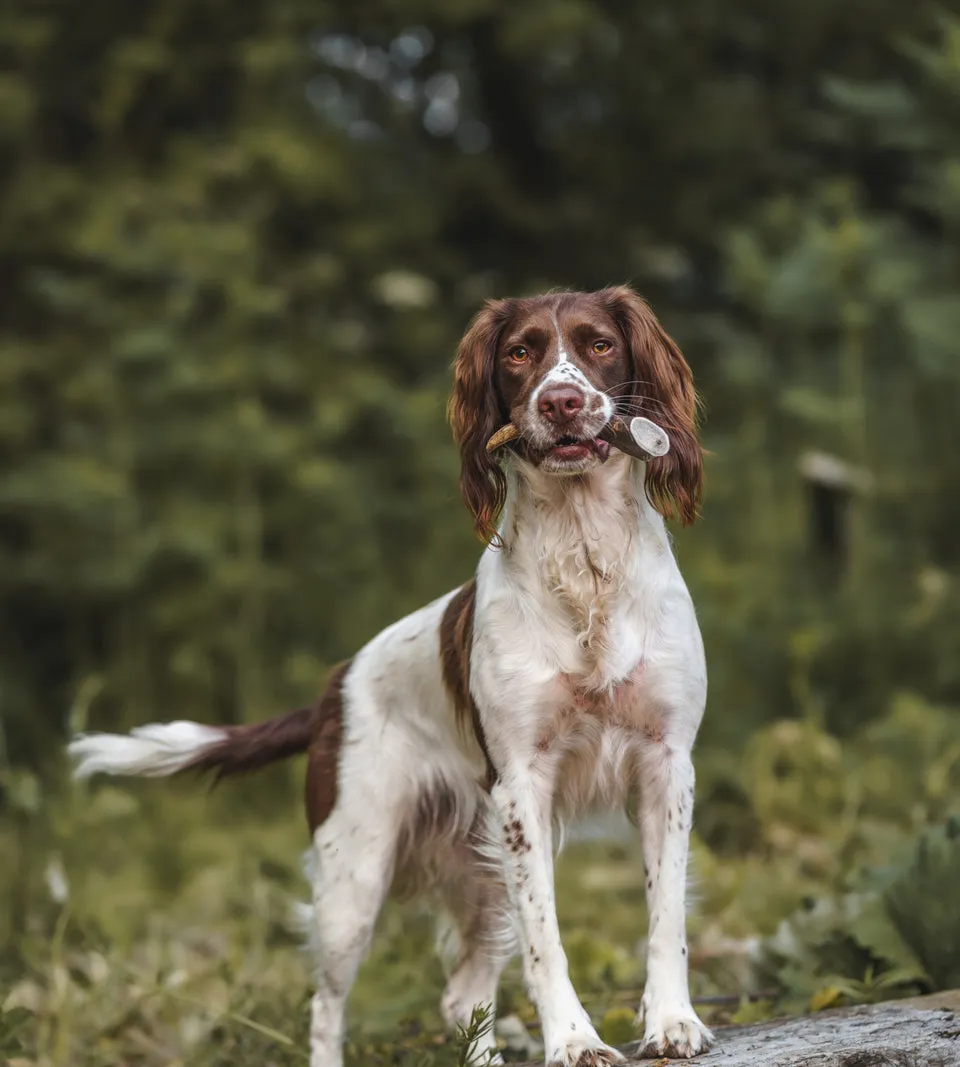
(753, 1011)
(921, 900)
(873, 929)
(826, 997)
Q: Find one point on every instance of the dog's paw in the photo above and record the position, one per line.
(583, 1051)
(677, 1034)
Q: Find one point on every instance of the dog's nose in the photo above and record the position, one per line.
(561, 403)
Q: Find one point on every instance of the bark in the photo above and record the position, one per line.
(921, 1032)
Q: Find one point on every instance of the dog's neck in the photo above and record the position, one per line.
(580, 543)
(601, 511)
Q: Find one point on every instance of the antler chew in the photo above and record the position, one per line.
(503, 436)
(639, 437)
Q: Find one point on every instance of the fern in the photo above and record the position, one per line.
(471, 1037)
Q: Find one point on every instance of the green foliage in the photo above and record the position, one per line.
(177, 940)
(618, 1026)
(237, 248)
(886, 928)
(921, 902)
(237, 263)
(470, 1036)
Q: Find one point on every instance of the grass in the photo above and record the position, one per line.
(149, 923)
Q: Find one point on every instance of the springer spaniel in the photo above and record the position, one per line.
(567, 674)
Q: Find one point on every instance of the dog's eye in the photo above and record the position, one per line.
(519, 354)
(601, 347)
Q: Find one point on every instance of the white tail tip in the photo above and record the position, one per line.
(153, 751)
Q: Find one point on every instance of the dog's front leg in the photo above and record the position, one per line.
(671, 1026)
(522, 800)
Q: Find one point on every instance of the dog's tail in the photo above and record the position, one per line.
(160, 749)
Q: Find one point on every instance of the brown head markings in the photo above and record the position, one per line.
(612, 339)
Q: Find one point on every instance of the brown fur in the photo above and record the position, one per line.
(487, 386)
(476, 413)
(248, 748)
(323, 755)
(665, 388)
(316, 731)
(456, 638)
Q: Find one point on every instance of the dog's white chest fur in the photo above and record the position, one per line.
(590, 580)
(585, 620)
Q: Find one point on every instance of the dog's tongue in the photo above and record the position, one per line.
(602, 449)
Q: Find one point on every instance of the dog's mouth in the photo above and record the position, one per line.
(569, 448)
(640, 438)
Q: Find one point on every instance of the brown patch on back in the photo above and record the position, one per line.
(323, 755)
(456, 640)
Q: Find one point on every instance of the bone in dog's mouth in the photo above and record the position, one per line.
(640, 437)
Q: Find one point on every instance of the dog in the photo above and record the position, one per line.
(567, 675)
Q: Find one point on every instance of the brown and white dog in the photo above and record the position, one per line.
(568, 674)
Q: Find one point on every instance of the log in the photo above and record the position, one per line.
(920, 1032)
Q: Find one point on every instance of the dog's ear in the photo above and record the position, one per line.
(476, 413)
(663, 383)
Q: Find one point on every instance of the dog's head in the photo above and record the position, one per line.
(559, 367)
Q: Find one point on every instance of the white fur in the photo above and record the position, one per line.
(589, 677)
(563, 356)
(153, 750)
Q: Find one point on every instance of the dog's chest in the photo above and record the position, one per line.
(597, 738)
(586, 580)
(628, 702)
(623, 646)
(584, 590)
(602, 615)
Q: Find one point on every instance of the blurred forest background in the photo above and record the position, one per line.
(238, 245)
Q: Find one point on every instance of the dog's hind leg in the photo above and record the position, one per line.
(352, 868)
(482, 941)
(353, 861)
